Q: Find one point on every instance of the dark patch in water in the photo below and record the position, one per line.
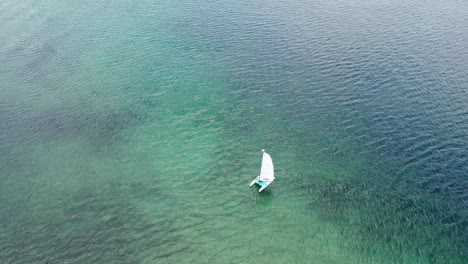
(96, 225)
(397, 218)
(101, 129)
(33, 56)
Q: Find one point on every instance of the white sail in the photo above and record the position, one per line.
(267, 172)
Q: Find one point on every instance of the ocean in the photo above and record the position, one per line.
(130, 131)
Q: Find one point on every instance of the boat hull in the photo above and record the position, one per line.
(262, 184)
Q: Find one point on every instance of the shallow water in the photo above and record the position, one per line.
(130, 130)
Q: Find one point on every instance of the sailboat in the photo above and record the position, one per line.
(267, 172)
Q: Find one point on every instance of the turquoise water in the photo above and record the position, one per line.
(130, 131)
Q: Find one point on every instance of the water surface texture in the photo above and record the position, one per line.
(130, 131)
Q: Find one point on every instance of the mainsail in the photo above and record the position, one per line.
(267, 172)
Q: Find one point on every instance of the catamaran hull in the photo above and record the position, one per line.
(252, 183)
(263, 184)
(263, 187)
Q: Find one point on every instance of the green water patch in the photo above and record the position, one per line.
(202, 154)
